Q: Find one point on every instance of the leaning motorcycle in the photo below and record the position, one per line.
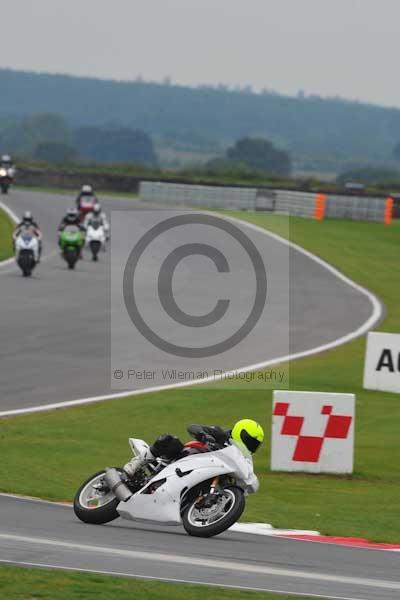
(27, 252)
(95, 237)
(202, 490)
(71, 242)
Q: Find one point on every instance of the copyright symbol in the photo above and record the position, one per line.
(118, 374)
(165, 289)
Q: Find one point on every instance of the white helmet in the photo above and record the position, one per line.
(87, 189)
(6, 158)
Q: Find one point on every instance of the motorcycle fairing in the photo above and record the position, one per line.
(164, 504)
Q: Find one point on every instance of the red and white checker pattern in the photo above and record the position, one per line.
(312, 432)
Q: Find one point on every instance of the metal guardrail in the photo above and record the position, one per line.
(355, 208)
(303, 204)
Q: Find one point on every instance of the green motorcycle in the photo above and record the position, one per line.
(71, 242)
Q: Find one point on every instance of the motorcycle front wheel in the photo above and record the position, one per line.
(201, 520)
(94, 502)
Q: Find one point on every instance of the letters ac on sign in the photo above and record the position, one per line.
(388, 361)
(312, 432)
(382, 362)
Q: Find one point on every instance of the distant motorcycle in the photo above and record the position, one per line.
(6, 179)
(71, 242)
(27, 252)
(86, 206)
(95, 237)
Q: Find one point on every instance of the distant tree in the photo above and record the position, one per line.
(47, 127)
(260, 154)
(54, 152)
(115, 145)
(24, 136)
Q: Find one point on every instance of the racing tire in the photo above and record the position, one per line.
(237, 505)
(96, 515)
(95, 248)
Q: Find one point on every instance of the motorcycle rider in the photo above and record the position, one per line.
(98, 214)
(71, 218)
(6, 163)
(246, 433)
(28, 222)
(86, 192)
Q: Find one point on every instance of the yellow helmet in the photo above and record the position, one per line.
(248, 432)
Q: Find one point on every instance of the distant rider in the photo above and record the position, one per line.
(98, 215)
(86, 193)
(70, 219)
(29, 223)
(6, 163)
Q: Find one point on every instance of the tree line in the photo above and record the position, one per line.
(310, 128)
(48, 137)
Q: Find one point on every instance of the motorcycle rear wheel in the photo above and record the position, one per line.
(94, 508)
(206, 525)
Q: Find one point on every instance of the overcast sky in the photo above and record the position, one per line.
(329, 47)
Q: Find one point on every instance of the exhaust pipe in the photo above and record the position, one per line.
(117, 486)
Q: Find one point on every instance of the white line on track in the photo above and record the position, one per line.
(171, 580)
(376, 315)
(210, 564)
(14, 218)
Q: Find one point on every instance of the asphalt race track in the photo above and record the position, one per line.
(43, 534)
(55, 348)
(56, 324)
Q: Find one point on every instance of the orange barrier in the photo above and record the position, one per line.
(388, 210)
(319, 208)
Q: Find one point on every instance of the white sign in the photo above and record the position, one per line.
(312, 432)
(382, 362)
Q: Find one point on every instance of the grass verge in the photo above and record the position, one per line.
(32, 584)
(49, 454)
(73, 192)
(6, 230)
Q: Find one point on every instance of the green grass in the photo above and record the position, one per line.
(6, 229)
(45, 584)
(73, 192)
(49, 454)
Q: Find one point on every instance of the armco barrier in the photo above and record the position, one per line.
(198, 195)
(304, 204)
(356, 208)
(300, 204)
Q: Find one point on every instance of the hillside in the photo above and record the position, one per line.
(315, 130)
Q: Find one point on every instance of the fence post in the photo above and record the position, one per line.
(388, 210)
(319, 207)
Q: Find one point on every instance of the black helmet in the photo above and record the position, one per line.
(72, 215)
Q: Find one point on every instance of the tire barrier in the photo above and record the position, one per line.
(303, 204)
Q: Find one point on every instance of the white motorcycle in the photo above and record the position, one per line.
(95, 237)
(204, 490)
(27, 251)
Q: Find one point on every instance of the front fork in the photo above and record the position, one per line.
(214, 485)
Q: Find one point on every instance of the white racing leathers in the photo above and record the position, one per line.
(102, 217)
